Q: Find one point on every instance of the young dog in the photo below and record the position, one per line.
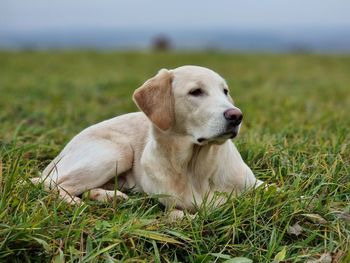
(179, 145)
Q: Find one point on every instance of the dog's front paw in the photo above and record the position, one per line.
(177, 215)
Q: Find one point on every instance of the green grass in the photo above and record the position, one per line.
(296, 134)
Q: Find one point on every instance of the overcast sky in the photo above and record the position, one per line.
(32, 15)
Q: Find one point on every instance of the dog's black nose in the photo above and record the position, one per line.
(234, 116)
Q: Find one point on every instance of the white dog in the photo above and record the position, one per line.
(179, 145)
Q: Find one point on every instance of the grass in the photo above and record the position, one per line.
(296, 134)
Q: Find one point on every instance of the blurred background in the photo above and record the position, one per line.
(253, 25)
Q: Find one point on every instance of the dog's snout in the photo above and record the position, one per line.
(234, 116)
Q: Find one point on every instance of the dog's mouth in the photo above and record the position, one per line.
(220, 138)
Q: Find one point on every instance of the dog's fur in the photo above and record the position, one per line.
(179, 145)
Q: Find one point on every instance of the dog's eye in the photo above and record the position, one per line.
(196, 92)
(226, 91)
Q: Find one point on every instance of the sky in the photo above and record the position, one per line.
(41, 15)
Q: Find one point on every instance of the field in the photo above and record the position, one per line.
(296, 134)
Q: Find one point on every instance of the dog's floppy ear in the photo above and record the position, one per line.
(156, 100)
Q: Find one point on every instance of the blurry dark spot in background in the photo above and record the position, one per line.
(161, 43)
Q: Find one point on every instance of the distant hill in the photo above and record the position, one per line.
(313, 40)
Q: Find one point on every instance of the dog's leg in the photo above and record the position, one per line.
(86, 166)
(258, 183)
(64, 194)
(103, 195)
(177, 215)
(69, 199)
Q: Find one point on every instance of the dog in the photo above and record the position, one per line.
(178, 147)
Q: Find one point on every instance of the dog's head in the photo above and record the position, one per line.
(192, 101)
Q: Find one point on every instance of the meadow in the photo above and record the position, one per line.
(296, 135)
